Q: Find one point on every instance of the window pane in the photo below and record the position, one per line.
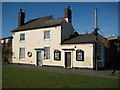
(80, 55)
(46, 34)
(47, 53)
(22, 53)
(57, 55)
(22, 37)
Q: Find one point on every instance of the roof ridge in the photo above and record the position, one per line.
(83, 34)
(47, 21)
(98, 34)
(57, 18)
(31, 20)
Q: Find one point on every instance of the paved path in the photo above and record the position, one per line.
(87, 72)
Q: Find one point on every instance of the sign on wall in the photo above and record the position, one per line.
(79, 55)
(57, 55)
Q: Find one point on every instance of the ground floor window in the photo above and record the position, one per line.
(46, 52)
(57, 55)
(80, 55)
(22, 53)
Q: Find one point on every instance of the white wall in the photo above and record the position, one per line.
(1, 41)
(35, 39)
(88, 55)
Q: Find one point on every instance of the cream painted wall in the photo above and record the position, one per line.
(35, 39)
(1, 41)
(88, 54)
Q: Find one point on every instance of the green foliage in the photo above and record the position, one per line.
(22, 78)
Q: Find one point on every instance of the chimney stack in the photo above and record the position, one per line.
(21, 16)
(68, 14)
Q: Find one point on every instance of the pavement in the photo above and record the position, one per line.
(85, 72)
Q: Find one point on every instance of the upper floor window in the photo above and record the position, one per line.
(46, 34)
(46, 52)
(79, 55)
(22, 36)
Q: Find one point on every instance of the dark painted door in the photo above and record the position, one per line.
(38, 57)
(67, 59)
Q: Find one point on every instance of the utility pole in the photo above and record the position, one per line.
(96, 37)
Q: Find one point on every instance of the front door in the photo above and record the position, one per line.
(68, 59)
(39, 60)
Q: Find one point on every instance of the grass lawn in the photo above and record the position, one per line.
(23, 78)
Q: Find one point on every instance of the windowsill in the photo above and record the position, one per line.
(80, 60)
(57, 60)
(46, 59)
(49, 39)
(22, 59)
(22, 41)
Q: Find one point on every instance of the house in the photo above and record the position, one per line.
(6, 46)
(6, 42)
(47, 41)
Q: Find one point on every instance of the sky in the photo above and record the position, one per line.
(82, 15)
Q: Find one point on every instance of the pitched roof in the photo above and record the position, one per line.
(86, 38)
(42, 22)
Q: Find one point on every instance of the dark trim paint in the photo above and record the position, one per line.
(68, 49)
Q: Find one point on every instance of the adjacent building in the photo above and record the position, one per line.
(6, 46)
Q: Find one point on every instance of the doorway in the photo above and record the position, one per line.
(39, 58)
(68, 59)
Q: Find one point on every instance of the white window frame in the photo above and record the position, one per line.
(45, 35)
(46, 53)
(21, 54)
(23, 37)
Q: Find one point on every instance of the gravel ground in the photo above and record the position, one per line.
(87, 72)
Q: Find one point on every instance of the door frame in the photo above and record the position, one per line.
(71, 58)
(37, 57)
(42, 54)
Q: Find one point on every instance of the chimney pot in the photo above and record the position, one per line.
(68, 7)
(20, 10)
(68, 14)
